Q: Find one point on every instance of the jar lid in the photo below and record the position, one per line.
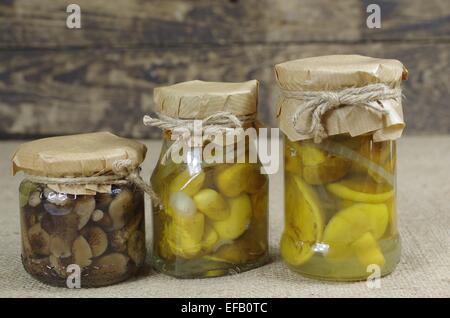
(83, 155)
(340, 94)
(336, 72)
(199, 99)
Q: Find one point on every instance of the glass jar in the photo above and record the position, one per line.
(102, 234)
(82, 209)
(341, 115)
(340, 208)
(213, 217)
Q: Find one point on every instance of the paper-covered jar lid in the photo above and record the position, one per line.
(199, 99)
(83, 155)
(334, 73)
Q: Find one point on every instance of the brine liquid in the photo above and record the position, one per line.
(340, 213)
(212, 220)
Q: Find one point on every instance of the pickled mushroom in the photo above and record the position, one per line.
(59, 265)
(367, 250)
(292, 159)
(238, 252)
(108, 269)
(212, 204)
(320, 167)
(351, 223)
(187, 183)
(136, 247)
(185, 233)
(82, 252)
(260, 202)
(121, 209)
(239, 219)
(64, 231)
(119, 238)
(233, 180)
(97, 240)
(97, 215)
(255, 181)
(39, 240)
(35, 199)
(60, 247)
(84, 208)
(182, 204)
(210, 238)
(26, 188)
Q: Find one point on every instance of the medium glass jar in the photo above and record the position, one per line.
(213, 217)
(340, 214)
(104, 234)
(341, 115)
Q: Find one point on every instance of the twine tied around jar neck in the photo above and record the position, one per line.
(321, 102)
(122, 173)
(218, 123)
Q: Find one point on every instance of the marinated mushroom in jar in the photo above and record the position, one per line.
(211, 222)
(340, 218)
(103, 234)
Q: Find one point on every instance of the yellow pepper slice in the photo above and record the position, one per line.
(351, 223)
(304, 222)
(239, 219)
(367, 250)
(293, 250)
(361, 189)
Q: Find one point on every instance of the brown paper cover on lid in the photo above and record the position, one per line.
(335, 73)
(83, 155)
(199, 99)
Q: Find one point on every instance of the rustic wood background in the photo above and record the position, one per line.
(54, 80)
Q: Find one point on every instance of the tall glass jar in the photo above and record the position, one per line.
(340, 184)
(213, 217)
(340, 214)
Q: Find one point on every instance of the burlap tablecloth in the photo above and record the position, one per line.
(424, 221)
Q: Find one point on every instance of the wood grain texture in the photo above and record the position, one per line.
(137, 23)
(411, 20)
(54, 92)
(126, 23)
(58, 81)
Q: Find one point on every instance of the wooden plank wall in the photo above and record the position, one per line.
(58, 81)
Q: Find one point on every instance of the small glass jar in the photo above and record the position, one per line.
(213, 217)
(86, 233)
(104, 234)
(341, 116)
